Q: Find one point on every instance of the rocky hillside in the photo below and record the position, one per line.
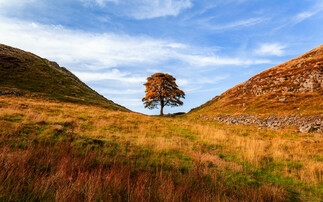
(25, 74)
(294, 88)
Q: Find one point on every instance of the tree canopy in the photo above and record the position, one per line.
(161, 89)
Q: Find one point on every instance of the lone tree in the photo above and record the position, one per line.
(162, 90)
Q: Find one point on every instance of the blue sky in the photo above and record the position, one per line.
(209, 46)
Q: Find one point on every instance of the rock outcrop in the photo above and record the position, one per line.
(305, 125)
(293, 87)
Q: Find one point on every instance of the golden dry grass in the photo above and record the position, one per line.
(62, 151)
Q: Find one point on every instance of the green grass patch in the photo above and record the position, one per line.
(16, 117)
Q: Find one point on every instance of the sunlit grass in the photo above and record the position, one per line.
(75, 152)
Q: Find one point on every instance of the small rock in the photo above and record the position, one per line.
(308, 128)
(282, 99)
(300, 64)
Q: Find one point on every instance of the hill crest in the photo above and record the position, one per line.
(26, 74)
(293, 87)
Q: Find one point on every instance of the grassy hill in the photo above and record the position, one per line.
(72, 152)
(25, 74)
(294, 87)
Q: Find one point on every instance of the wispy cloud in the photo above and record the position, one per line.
(145, 9)
(109, 91)
(212, 24)
(16, 3)
(132, 102)
(114, 74)
(160, 8)
(239, 24)
(197, 84)
(303, 16)
(270, 49)
(204, 61)
(82, 50)
(78, 49)
(100, 3)
(203, 90)
(300, 17)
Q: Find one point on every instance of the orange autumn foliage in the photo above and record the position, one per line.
(161, 89)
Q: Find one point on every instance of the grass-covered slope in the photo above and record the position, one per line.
(70, 152)
(23, 73)
(294, 87)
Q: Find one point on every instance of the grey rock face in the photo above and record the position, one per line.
(306, 125)
(54, 64)
(311, 127)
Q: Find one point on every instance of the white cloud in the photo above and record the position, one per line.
(271, 49)
(318, 7)
(101, 3)
(145, 9)
(130, 102)
(16, 6)
(203, 90)
(202, 60)
(109, 91)
(16, 3)
(77, 49)
(81, 51)
(159, 8)
(182, 82)
(238, 24)
(304, 15)
(114, 74)
(177, 45)
(211, 24)
(197, 84)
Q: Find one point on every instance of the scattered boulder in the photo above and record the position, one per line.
(311, 127)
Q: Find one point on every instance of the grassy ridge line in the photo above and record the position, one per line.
(75, 152)
(23, 73)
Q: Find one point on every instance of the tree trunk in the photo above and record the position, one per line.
(161, 108)
(161, 111)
